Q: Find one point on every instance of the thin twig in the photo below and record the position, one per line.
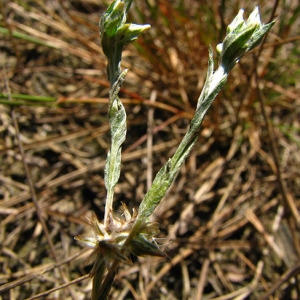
(150, 126)
(284, 278)
(202, 279)
(68, 284)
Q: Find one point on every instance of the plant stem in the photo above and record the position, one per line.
(166, 175)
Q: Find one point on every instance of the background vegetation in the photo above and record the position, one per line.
(230, 224)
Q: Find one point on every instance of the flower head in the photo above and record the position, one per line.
(109, 241)
(242, 36)
(114, 30)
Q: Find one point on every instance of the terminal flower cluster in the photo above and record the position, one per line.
(241, 37)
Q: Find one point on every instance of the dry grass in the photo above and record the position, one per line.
(230, 224)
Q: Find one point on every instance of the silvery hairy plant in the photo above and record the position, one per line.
(121, 235)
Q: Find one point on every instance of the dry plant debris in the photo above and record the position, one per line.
(230, 224)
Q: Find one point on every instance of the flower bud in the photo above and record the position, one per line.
(242, 36)
(130, 32)
(115, 32)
